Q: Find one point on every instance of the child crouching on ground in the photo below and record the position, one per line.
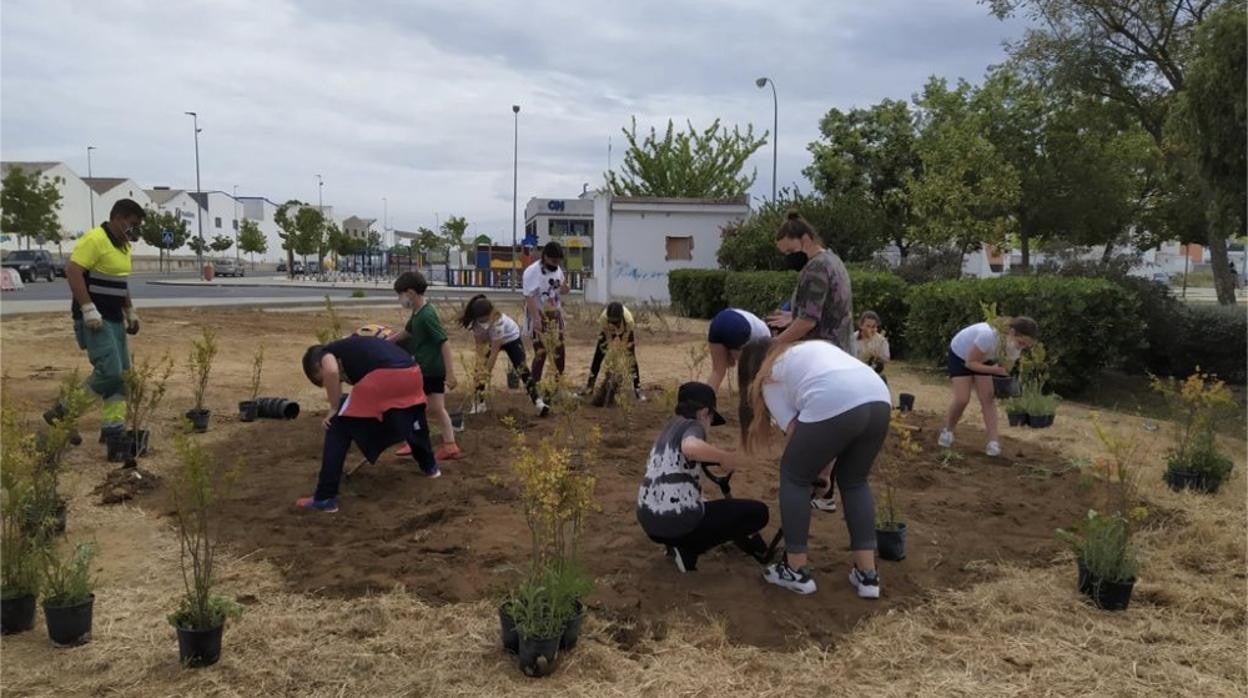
(494, 328)
(870, 344)
(386, 406)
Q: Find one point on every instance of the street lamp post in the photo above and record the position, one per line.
(320, 208)
(515, 180)
(199, 192)
(775, 129)
(90, 190)
(237, 252)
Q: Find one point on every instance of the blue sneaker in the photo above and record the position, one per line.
(329, 506)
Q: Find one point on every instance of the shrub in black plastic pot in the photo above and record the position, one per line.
(538, 656)
(69, 625)
(457, 421)
(572, 631)
(276, 408)
(199, 419)
(1017, 419)
(905, 402)
(17, 614)
(248, 411)
(513, 381)
(1180, 480)
(54, 524)
(120, 446)
(890, 541)
(1006, 386)
(1040, 421)
(507, 626)
(1105, 595)
(200, 648)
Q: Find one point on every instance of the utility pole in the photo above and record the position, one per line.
(236, 226)
(199, 192)
(90, 190)
(515, 188)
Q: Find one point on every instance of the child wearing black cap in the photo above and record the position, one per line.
(670, 507)
(617, 326)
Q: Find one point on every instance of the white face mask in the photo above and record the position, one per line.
(405, 302)
(1012, 349)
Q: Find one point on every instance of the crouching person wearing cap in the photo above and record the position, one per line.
(670, 507)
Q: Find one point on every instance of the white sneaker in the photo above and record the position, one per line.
(822, 504)
(641, 397)
(993, 449)
(477, 408)
(867, 583)
(946, 439)
(542, 408)
(780, 574)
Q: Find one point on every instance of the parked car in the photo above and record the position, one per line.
(31, 264)
(228, 266)
(281, 266)
(58, 266)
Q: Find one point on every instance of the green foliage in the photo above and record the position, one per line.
(257, 367)
(760, 292)
(203, 352)
(1084, 322)
(155, 223)
(198, 245)
(705, 164)
(21, 549)
(67, 579)
(29, 204)
(251, 239)
(886, 294)
(455, 232)
(1200, 403)
(333, 328)
(1211, 338)
(697, 292)
(544, 603)
(198, 485)
(1104, 546)
(146, 383)
(846, 223)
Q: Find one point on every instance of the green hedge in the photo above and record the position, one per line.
(759, 292)
(886, 294)
(1213, 338)
(1084, 323)
(697, 292)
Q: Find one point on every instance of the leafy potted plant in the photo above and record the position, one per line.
(1033, 369)
(1199, 403)
(540, 624)
(890, 530)
(249, 410)
(200, 619)
(1002, 386)
(203, 352)
(20, 545)
(146, 384)
(69, 595)
(1041, 409)
(1015, 412)
(1105, 553)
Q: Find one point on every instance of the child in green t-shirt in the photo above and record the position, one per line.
(425, 340)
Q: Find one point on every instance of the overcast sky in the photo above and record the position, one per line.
(412, 100)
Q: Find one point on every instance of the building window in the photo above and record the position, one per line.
(236, 224)
(218, 221)
(558, 228)
(679, 248)
(583, 228)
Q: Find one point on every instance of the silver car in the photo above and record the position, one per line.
(228, 266)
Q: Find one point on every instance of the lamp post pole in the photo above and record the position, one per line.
(775, 129)
(515, 180)
(90, 190)
(199, 192)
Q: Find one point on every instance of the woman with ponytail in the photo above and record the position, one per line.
(822, 303)
(832, 407)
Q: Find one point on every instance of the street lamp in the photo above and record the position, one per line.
(90, 190)
(515, 179)
(320, 184)
(775, 129)
(237, 252)
(385, 222)
(199, 192)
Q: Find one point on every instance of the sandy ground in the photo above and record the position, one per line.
(991, 612)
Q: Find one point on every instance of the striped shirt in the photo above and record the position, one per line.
(107, 272)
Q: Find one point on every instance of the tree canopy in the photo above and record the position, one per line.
(30, 204)
(693, 163)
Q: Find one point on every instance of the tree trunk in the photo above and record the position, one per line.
(1220, 220)
(1108, 254)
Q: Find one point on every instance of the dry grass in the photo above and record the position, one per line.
(1027, 632)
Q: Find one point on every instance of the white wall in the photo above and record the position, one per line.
(128, 189)
(630, 245)
(185, 208)
(262, 211)
(75, 211)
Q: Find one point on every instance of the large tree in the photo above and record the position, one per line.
(252, 241)
(157, 223)
(868, 155)
(847, 223)
(302, 234)
(29, 204)
(693, 163)
(1137, 53)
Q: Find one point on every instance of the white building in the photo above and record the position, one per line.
(110, 190)
(638, 240)
(570, 222)
(222, 215)
(76, 196)
(262, 211)
(180, 203)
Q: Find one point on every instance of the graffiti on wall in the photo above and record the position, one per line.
(624, 270)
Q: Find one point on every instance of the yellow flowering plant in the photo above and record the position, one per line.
(1199, 403)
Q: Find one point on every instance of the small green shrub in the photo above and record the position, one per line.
(67, 580)
(1104, 545)
(1212, 339)
(697, 293)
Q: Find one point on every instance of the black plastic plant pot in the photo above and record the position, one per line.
(1017, 419)
(507, 626)
(538, 656)
(905, 402)
(890, 542)
(120, 446)
(199, 419)
(199, 648)
(513, 381)
(1180, 480)
(457, 421)
(1005, 386)
(69, 625)
(248, 411)
(572, 631)
(1105, 595)
(1039, 421)
(276, 408)
(17, 615)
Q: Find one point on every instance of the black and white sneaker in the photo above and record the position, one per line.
(685, 561)
(867, 583)
(780, 574)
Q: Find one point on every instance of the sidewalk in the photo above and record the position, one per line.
(291, 302)
(284, 282)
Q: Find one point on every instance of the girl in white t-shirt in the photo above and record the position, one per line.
(731, 329)
(973, 362)
(833, 408)
(490, 327)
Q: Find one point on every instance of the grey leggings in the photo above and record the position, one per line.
(852, 439)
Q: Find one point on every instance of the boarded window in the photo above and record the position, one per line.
(679, 248)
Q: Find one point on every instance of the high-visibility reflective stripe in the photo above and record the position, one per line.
(107, 290)
(100, 276)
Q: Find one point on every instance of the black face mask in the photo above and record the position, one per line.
(549, 268)
(795, 261)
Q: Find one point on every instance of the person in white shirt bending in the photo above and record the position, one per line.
(833, 408)
(496, 333)
(973, 362)
(544, 286)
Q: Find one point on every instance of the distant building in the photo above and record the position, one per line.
(262, 211)
(76, 196)
(570, 222)
(358, 228)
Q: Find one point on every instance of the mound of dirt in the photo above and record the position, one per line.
(124, 484)
(462, 537)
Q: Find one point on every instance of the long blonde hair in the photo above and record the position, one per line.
(753, 372)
